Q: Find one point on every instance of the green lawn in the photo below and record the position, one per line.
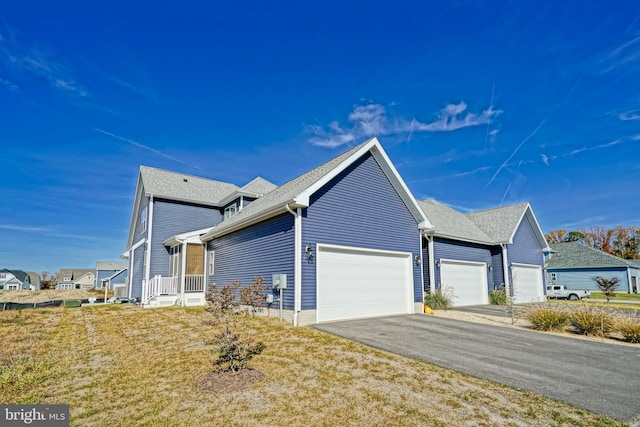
(123, 365)
(619, 296)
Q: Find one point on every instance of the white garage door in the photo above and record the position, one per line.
(465, 282)
(527, 283)
(355, 283)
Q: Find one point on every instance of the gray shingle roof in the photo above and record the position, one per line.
(449, 223)
(73, 273)
(110, 265)
(186, 188)
(259, 186)
(577, 255)
(499, 223)
(19, 274)
(283, 194)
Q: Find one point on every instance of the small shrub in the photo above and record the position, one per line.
(546, 318)
(438, 300)
(607, 286)
(498, 297)
(629, 328)
(591, 320)
(235, 351)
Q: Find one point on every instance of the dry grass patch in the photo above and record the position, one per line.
(122, 365)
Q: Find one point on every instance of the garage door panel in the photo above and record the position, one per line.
(527, 283)
(358, 283)
(465, 282)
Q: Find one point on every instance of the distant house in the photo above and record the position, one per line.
(106, 269)
(14, 280)
(35, 281)
(468, 255)
(75, 278)
(117, 282)
(576, 265)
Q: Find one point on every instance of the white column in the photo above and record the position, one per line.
(297, 265)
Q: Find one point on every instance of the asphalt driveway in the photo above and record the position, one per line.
(601, 378)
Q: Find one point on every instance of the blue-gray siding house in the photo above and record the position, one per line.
(342, 254)
(468, 255)
(165, 258)
(106, 269)
(576, 266)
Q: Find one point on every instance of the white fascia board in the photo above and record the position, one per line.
(134, 211)
(189, 237)
(462, 239)
(238, 193)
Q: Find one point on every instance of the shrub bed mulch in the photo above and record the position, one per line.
(229, 381)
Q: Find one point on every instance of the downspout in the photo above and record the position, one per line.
(432, 263)
(297, 263)
(505, 270)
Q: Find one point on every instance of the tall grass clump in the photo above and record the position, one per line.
(548, 318)
(498, 297)
(591, 320)
(628, 328)
(438, 300)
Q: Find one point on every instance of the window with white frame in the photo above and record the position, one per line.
(174, 266)
(143, 220)
(230, 211)
(3, 276)
(211, 262)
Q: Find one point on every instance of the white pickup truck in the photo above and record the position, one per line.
(560, 291)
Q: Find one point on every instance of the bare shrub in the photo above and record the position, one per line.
(607, 286)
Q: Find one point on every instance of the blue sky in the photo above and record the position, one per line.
(478, 104)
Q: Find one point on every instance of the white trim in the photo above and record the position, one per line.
(432, 264)
(359, 249)
(505, 270)
(459, 261)
(519, 264)
(147, 267)
(297, 272)
(135, 210)
(183, 271)
(539, 233)
(421, 267)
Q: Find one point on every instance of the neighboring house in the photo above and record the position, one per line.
(345, 234)
(576, 265)
(75, 278)
(117, 282)
(106, 269)
(468, 255)
(14, 280)
(35, 281)
(163, 263)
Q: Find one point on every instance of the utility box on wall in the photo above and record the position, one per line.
(279, 281)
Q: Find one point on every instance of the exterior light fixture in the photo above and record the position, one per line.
(309, 252)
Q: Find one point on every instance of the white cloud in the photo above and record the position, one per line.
(629, 115)
(625, 54)
(38, 63)
(545, 159)
(371, 119)
(12, 87)
(21, 228)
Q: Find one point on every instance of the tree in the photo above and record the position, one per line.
(608, 287)
(625, 241)
(576, 236)
(556, 236)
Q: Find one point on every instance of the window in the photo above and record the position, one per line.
(3, 276)
(554, 277)
(230, 211)
(210, 260)
(66, 279)
(174, 266)
(143, 220)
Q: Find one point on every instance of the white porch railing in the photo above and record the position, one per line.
(194, 283)
(159, 285)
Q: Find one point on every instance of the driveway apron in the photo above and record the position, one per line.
(599, 377)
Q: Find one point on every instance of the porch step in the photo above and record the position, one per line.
(194, 299)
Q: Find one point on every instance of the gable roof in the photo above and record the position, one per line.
(259, 186)
(18, 274)
(451, 224)
(501, 223)
(73, 273)
(578, 255)
(297, 192)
